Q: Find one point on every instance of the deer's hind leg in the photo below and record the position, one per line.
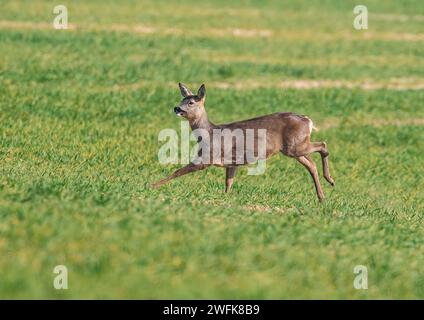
(321, 147)
(309, 164)
(307, 148)
(325, 166)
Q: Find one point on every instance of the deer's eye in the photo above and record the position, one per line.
(191, 103)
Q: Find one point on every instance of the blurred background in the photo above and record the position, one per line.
(80, 114)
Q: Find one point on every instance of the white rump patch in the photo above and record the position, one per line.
(311, 125)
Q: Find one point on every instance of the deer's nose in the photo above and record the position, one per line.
(177, 109)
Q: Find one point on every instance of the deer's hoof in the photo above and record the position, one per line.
(330, 181)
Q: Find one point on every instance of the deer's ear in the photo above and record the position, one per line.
(185, 92)
(201, 93)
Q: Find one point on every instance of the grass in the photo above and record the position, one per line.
(80, 115)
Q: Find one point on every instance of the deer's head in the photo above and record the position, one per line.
(192, 106)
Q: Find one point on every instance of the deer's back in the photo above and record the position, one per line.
(282, 128)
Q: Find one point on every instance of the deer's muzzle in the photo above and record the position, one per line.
(179, 111)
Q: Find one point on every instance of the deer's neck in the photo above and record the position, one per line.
(202, 123)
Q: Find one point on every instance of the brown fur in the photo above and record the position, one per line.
(286, 132)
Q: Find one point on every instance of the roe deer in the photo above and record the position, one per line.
(286, 132)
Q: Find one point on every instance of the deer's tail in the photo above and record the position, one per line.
(311, 125)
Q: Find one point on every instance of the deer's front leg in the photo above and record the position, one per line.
(229, 177)
(191, 167)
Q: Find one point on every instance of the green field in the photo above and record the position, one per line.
(81, 110)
